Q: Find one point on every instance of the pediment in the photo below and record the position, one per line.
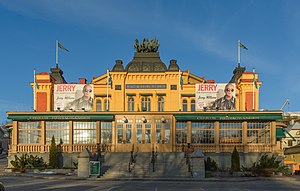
(100, 80)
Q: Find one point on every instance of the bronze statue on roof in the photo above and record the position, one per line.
(146, 45)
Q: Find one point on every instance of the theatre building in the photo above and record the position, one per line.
(146, 105)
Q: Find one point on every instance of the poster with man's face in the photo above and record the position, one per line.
(218, 96)
(73, 96)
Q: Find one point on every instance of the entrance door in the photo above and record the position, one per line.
(143, 135)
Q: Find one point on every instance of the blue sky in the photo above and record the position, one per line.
(201, 35)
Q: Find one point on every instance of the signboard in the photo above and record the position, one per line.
(94, 168)
(215, 96)
(73, 97)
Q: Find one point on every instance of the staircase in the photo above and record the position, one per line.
(116, 165)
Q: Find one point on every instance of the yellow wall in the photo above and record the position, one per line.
(173, 98)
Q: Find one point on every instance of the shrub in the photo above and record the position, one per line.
(235, 160)
(210, 165)
(53, 154)
(28, 161)
(268, 162)
(265, 166)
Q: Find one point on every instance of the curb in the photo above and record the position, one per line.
(219, 179)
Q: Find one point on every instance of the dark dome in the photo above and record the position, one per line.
(146, 62)
(118, 67)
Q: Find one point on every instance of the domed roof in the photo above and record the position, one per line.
(173, 66)
(146, 62)
(118, 67)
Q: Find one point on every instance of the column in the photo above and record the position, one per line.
(244, 137)
(217, 136)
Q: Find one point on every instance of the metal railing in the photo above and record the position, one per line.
(187, 154)
(132, 159)
(153, 158)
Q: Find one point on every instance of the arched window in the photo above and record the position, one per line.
(193, 106)
(161, 104)
(146, 104)
(98, 105)
(107, 105)
(184, 105)
(130, 104)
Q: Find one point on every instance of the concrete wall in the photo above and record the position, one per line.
(223, 160)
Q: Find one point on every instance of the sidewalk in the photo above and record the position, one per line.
(2, 156)
(3, 163)
(212, 179)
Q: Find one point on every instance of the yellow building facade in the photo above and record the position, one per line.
(145, 106)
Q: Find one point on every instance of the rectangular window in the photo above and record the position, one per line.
(118, 87)
(84, 132)
(161, 104)
(203, 132)
(139, 136)
(158, 133)
(128, 133)
(60, 131)
(130, 104)
(230, 133)
(181, 132)
(148, 133)
(106, 132)
(120, 133)
(258, 132)
(173, 87)
(146, 104)
(167, 133)
(30, 132)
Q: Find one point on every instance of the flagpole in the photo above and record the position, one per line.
(56, 54)
(253, 89)
(34, 90)
(179, 86)
(239, 53)
(107, 91)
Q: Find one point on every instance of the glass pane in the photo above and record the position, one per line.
(30, 132)
(60, 131)
(120, 135)
(84, 132)
(98, 105)
(139, 136)
(148, 135)
(106, 136)
(158, 136)
(167, 136)
(128, 136)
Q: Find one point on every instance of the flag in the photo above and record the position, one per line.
(62, 47)
(243, 46)
(180, 79)
(109, 80)
(254, 79)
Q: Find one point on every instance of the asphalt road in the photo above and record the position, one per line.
(32, 184)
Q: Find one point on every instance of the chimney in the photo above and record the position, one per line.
(82, 81)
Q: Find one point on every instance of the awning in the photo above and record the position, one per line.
(146, 94)
(188, 95)
(63, 116)
(280, 133)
